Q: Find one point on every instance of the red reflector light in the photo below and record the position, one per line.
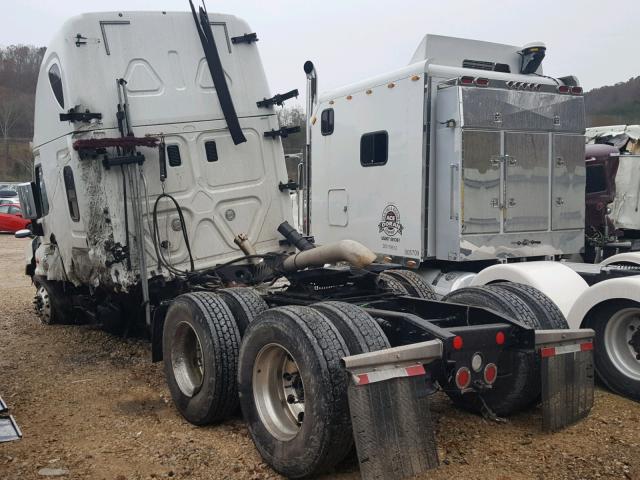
(483, 82)
(463, 378)
(564, 89)
(466, 80)
(500, 338)
(586, 346)
(547, 352)
(457, 343)
(490, 373)
(576, 90)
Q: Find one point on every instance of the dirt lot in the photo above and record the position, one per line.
(94, 405)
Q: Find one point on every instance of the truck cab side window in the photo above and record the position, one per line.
(326, 122)
(596, 179)
(39, 180)
(72, 196)
(374, 149)
(55, 79)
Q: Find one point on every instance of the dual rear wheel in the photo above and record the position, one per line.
(284, 371)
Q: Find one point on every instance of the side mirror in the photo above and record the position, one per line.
(24, 233)
(27, 194)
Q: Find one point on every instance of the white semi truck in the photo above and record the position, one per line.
(468, 166)
(160, 204)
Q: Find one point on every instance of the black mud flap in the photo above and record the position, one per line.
(389, 405)
(9, 429)
(567, 376)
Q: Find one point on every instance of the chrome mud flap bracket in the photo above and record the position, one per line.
(9, 429)
(566, 362)
(389, 404)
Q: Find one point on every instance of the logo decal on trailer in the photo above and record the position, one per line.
(390, 223)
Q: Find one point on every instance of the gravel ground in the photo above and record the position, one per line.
(93, 405)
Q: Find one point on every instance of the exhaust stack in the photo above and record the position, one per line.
(312, 99)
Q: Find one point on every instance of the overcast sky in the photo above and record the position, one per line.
(351, 40)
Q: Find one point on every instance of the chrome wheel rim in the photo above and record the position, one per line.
(622, 341)
(43, 305)
(278, 391)
(187, 359)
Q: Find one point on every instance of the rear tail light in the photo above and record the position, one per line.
(564, 89)
(482, 82)
(463, 378)
(576, 90)
(466, 80)
(490, 373)
(458, 342)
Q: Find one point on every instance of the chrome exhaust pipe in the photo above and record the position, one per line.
(312, 91)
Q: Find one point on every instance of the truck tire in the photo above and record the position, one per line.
(617, 345)
(413, 283)
(200, 344)
(545, 309)
(245, 305)
(50, 303)
(295, 350)
(520, 387)
(359, 330)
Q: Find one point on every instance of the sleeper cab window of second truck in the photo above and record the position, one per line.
(374, 149)
(326, 122)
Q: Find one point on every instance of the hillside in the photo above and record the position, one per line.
(614, 105)
(19, 65)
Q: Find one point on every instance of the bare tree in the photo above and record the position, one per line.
(11, 106)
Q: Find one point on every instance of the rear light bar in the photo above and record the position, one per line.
(576, 90)
(524, 85)
(564, 89)
(479, 81)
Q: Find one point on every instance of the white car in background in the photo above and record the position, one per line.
(8, 193)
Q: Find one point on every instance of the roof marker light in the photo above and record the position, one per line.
(415, 78)
(349, 97)
(391, 85)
